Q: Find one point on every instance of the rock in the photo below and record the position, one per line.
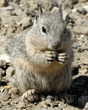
(33, 5)
(2, 63)
(48, 5)
(10, 72)
(4, 3)
(79, 21)
(81, 30)
(74, 1)
(86, 108)
(15, 6)
(7, 18)
(18, 12)
(86, 8)
(54, 105)
(86, 105)
(86, 17)
(42, 97)
(22, 105)
(62, 106)
(45, 104)
(83, 48)
(74, 10)
(82, 11)
(74, 15)
(50, 98)
(82, 1)
(16, 1)
(2, 72)
(16, 102)
(9, 8)
(66, 16)
(5, 57)
(4, 96)
(14, 91)
(10, 31)
(54, 10)
(28, 13)
(25, 22)
(83, 71)
(68, 4)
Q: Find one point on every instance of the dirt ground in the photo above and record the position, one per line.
(16, 17)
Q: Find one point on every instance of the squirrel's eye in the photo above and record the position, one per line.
(64, 31)
(43, 29)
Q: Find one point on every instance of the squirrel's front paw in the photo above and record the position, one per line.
(62, 57)
(30, 96)
(50, 56)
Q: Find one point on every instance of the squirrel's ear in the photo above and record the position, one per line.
(60, 10)
(40, 11)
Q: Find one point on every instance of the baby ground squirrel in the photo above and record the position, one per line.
(42, 57)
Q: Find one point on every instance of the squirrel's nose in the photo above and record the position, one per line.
(55, 46)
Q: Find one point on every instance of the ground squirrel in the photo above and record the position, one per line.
(42, 57)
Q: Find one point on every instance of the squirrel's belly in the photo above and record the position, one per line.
(54, 67)
(51, 78)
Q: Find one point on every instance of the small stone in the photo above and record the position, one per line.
(66, 16)
(9, 8)
(81, 49)
(14, 91)
(81, 30)
(79, 21)
(62, 105)
(2, 73)
(74, 10)
(2, 63)
(18, 12)
(86, 108)
(5, 57)
(54, 105)
(83, 71)
(74, 1)
(21, 105)
(32, 13)
(10, 32)
(10, 72)
(42, 97)
(50, 98)
(25, 22)
(86, 8)
(82, 11)
(0, 105)
(45, 104)
(15, 102)
(4, 96)
(3, 3)
(55, 10)
(86, 105)
(2, 90)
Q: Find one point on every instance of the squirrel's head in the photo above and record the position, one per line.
(51, 30)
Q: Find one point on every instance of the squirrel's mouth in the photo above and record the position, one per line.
(55, 50)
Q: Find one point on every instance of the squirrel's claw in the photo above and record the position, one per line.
(30, 96)
(63, 57)
(50, 56)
